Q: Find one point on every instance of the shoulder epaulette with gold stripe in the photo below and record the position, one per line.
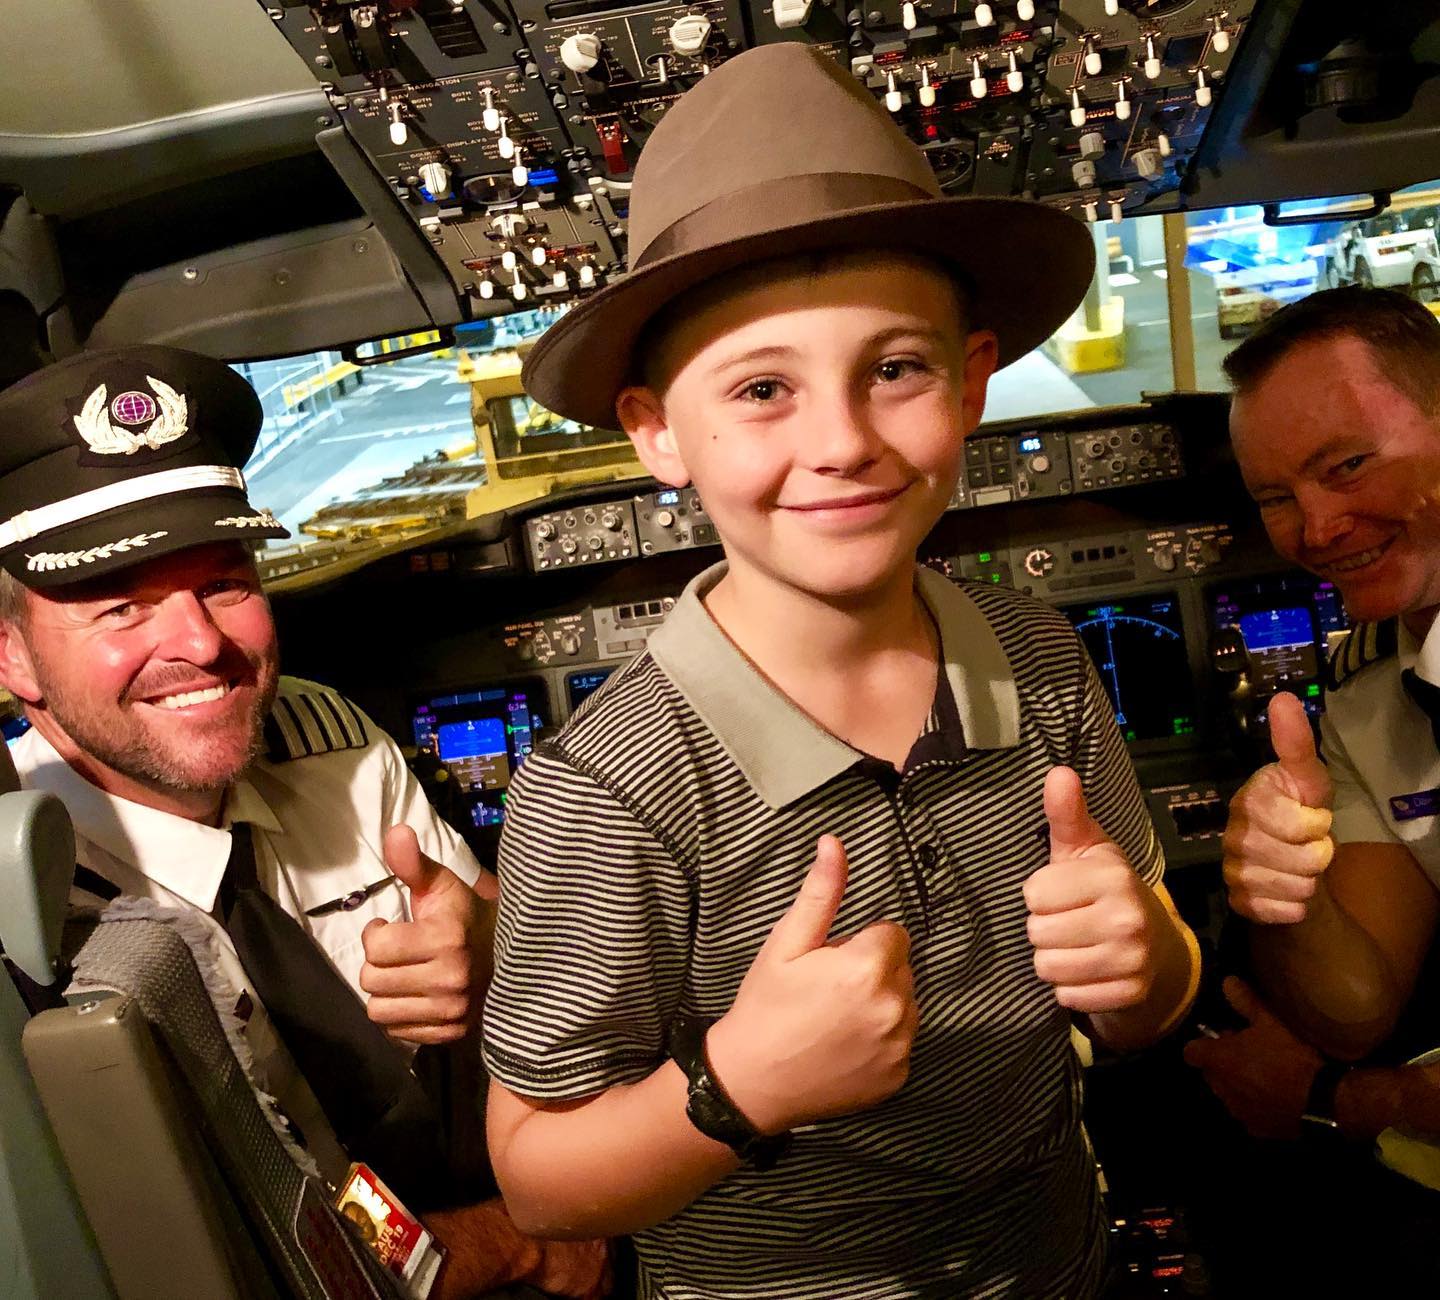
(309, 721)
(1367, 643)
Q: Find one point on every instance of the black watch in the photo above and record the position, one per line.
(709, 1108)
(1318, 1117)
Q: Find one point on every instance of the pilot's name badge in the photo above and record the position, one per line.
(1408, 807)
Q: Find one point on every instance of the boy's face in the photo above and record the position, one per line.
(820, 415)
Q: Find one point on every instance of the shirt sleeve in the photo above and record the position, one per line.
(1357, 820)
(404, 802)
(592, 942)
(1112, 792)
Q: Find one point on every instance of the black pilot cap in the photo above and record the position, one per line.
(111, 458)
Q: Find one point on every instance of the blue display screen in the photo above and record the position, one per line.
(471, 738)
(668, 498)
(1267, 628)
(1031, 444)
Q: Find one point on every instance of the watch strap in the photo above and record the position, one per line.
(1319, 1109)
(709, 1106)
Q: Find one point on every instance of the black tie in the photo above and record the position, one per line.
(361, 1079)
(1426, 696)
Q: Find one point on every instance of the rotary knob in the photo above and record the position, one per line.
(1164, 559)
(665, 518)
(611, 521)
(435, 177)
(544, 530)
(688, 34)
(1039, 562)
(580, 51)
(595, 542)
(569, 643)
(569, 545)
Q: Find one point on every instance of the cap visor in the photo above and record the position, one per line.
(135, 533)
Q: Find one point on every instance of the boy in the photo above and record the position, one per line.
(786, 949)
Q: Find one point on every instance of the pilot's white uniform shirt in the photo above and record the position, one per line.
(1381, 752)
(317, 822)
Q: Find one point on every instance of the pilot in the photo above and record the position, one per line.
(1336, 428)
(355, 925)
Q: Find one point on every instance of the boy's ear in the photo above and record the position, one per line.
(642, 416)
(17, 668)
(982, 350)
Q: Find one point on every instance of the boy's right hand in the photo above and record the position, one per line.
(820, 1027)
(1277, 840)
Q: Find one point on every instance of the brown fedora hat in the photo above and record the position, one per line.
(779, 152)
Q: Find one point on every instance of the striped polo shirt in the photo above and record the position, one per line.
(651, 847)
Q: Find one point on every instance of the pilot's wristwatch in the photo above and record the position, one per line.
(710, 1108)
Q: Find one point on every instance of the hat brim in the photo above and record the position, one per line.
(1028, 267)
(135, 533)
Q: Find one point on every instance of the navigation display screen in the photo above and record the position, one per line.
(1284, 622)
(481, 736)
(1138, 645)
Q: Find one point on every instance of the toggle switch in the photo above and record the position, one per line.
(490, 118)
(1093, 61)
(984, 15)
(486, 288)
(1122, 103)
(893, 98)
(587, 275)
(1152, 61)
(1202, 89)
(1077, 109)
(1025, 10)
(399, 133)
(979, 86)
(1014, 79)
(1162, 142)
(1220, 38)
(926, 93)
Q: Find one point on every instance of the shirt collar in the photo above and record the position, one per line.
(185, 857)
(783, 752)
(1422, 656)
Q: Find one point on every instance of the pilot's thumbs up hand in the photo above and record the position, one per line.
(427, 976)
(820, 1026)
(1277, 841)
(1093, 922)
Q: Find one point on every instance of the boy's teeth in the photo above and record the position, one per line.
(192, 697)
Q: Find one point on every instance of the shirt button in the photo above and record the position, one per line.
(929, 855)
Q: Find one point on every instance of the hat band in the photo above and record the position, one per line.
(754, 210)
(73, 510)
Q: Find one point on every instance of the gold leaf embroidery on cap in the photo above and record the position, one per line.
(262, 520)
(48, 561)
(107, 439)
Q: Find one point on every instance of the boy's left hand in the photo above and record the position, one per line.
(1093, 922)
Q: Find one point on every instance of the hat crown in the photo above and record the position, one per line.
(773, 113)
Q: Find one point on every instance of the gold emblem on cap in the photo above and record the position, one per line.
(49, 561)
(107, 439)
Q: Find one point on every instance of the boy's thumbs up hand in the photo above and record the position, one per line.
(1093, 922)
(820, 1026)
(1277, 840)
